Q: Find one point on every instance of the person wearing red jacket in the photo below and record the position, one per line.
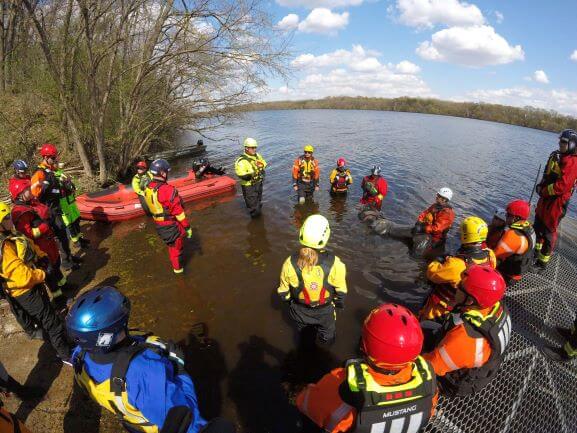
(31, 218)
(391, 387)
(555, 190)
(437, 219)
(167, 211)
(375, 189)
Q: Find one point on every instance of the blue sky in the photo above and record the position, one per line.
(509, 51)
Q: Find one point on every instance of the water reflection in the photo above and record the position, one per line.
(338, 206)
(302, 211)
(257, 243)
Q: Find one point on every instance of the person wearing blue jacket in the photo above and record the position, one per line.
(141, 379)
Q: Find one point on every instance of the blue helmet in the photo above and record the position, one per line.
(158, 166)
(98, 320)
(20, 165)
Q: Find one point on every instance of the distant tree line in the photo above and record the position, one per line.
(529, 117)
(106, 80)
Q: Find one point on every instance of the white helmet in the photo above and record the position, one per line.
(500, 214)
(250, 142)
(446, 193)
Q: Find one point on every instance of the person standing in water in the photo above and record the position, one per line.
(306, 174)
(313, 281)
(250, 168)
(340, 178)
(374, 188)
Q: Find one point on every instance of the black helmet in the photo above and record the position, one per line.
(159, 166)
(200, 143)
(376, 170)
(569, 136)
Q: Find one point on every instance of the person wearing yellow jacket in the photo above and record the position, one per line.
(313, 281)
(23, 282)
(139, 183)
(250, 168)
(445, 272)
(340, 178)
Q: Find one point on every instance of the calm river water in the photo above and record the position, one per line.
(233, 262)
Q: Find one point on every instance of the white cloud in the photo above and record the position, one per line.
(499, 17)
(322, 20)
(428, 13)
(311, 4)
(574, 56)
(406, 67)
(474, 46)
(355, 72)
(540, 77)
(289, 22)
(562, 101)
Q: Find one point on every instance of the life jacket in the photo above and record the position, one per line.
(51, 191)
(159, 213)
(258, 175)
(443, 294)
(518, 264)
(431, 216)
(340, 183)
(307, 168)
(496, 328)
(112, 394)
(316, 291)
(24, 248)
(390, 408)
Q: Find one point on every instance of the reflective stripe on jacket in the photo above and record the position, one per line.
(515, 249)
(306, 170)
(250, 169)
(316, 286)
(165, 204)
(335, 402)
(471, 350)
(340, 180)
(139, 383)
(45, 185)
(446, 276)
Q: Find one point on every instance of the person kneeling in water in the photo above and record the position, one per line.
(437, 219)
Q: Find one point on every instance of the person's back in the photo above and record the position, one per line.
(390, 388)
(475, 337)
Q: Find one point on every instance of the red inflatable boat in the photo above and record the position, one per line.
(120, 203)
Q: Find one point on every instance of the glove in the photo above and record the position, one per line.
(339, 303)
(189, 232)
(538, 189)
(418, 229)
(177, 355)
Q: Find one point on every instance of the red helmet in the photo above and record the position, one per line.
(519, 208)
(142, 164)
(392, 336)
(341, 162)
(48, 150)
(16, 186)
(485, 284)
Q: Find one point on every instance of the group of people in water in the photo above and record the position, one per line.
(453, 345)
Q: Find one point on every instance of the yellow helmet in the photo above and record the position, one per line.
(4, 211)
(473, 230)
(250, 142)
(309, 148)
(315, 232)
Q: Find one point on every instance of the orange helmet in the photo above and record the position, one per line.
(391, 336)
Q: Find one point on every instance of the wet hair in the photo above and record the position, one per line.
(308, 258)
